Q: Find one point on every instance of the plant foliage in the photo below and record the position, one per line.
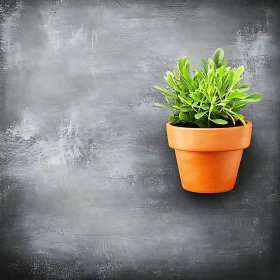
(210, 97)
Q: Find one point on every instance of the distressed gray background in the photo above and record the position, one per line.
(89, 188)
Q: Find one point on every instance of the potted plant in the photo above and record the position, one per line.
(207, 130)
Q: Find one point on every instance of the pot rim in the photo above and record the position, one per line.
(209, 139)
(249, 123)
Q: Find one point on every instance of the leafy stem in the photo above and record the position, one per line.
(210, 97)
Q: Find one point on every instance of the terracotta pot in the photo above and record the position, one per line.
(208, 158)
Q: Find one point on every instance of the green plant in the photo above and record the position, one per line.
(211, 97)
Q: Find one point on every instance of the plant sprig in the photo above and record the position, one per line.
(211, 96)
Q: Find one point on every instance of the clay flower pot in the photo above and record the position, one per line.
(208, 158)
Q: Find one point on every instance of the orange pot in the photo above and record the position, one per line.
(208, 158)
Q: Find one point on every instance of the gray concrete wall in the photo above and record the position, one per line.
(89, 188)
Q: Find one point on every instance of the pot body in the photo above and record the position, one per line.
(208, 158)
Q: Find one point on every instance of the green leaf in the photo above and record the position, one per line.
(185, 99)
(199, 72)
(176, 74)
(196, 97)
(186, 108)
(210, 66)
(205, 106)
(224, 115)
(253, 98)
(163, 105)
(169, 73)
(188, 79)
(213, 100)
(183, 116)
(182, 99)
(228, 113)
(181, 64)
(237, 95)
(220, 71)
(194, 85)
(220, 84)
(210, 89)
(241, 118)
(169, 79)
(221, 93)
(178, 102)
(218, 56)
(249, 99)
(216, 113)
(230, 76)
(187, 66)
(184, 82)
(176, 107)
(191, 114)
(219, 121)
(242, 87)
(238, 74)
(201, 123)
(199, 115)
(161, 88)
(238, 105)
(173, 119)
(166, 92)
(225, 62)
(189, 100)
(204, 65)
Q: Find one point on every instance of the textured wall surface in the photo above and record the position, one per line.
(89, 188)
